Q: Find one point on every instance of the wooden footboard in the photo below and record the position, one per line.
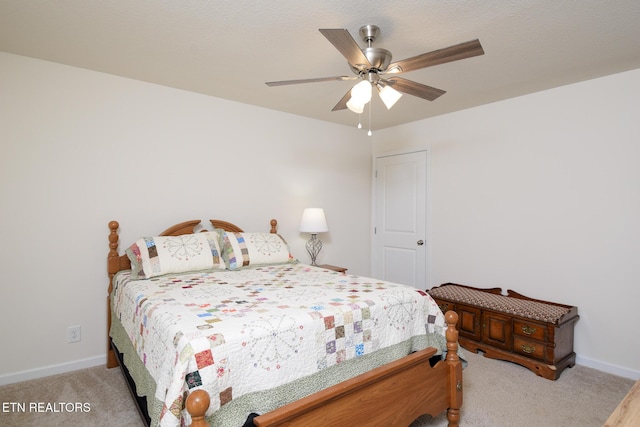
(393, 394)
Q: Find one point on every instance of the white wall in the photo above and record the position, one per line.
(541, 194)
(81, 148)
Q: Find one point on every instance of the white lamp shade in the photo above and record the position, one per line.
(313, 221)
(361, 93)
(355, 107)
(389, 96)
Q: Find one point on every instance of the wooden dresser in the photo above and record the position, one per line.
(533, 333)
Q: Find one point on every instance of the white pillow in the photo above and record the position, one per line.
(244, 249)
(156, 256)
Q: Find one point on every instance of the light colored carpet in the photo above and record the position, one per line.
(104, 390)
(503, 394)
(496, 394)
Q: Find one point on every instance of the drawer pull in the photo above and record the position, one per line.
(528, 349)
(528, 330)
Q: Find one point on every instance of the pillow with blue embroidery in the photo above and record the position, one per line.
(156, 256)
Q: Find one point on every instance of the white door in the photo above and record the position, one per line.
(400, 195)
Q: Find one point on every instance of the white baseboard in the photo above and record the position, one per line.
(46, 371)
(609, 368)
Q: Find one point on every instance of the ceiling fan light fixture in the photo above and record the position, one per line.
(354, 106)
(361, 92)
(371, 63)
(388, 95)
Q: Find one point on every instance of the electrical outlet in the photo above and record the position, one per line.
(73, 334)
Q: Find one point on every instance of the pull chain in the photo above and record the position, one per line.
(370, 105)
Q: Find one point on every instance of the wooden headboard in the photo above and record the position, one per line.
(117, 262)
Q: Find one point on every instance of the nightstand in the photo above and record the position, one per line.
(342, 270)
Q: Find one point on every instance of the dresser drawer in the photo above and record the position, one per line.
(530, 330)
(528, 348)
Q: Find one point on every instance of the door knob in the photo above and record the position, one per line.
(420, 242)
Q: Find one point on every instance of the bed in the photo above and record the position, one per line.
(243, 334)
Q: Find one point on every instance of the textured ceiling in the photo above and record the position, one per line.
(229, 49)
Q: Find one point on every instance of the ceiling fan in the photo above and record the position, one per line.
(371, 66)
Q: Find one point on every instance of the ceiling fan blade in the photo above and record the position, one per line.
(347, 46)
(316, 80)
(342, 104)
(440, 56)
(414, 88)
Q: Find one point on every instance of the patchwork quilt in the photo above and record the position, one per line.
(237, 332)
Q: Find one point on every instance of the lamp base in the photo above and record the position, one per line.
(314, 245)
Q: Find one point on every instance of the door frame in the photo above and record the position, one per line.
(427, 225)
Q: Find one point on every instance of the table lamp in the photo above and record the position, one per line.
(313, 222)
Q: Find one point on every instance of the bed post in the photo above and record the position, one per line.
(197, 404)
(112, 360)
(274, 226)
(455, 369)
